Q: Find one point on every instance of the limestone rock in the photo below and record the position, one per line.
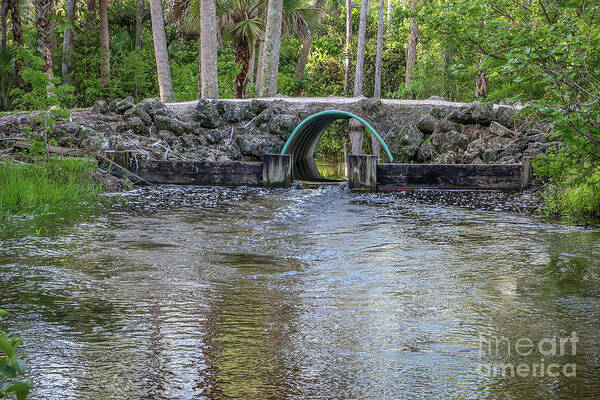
(499, 130)
(445, 125)
(283, 125)
(475, 131)
(444, 142)
(100, 107)
(121, 105)
(136, 125)
(140, 112)
(207, 114)
(449, 157)
(473, 113)
(413, 137)
(425, 153)
(504, 115)
(426, 123)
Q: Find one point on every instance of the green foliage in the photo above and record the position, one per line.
(13, 379)
(7, 77)
(40, 187)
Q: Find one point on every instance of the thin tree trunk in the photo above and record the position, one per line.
(139, 24)
(104, 43)
(43, 11)
(68, 43)
(375, 145)
(377, 89)
(389, 12)
(347, 47)
(250, 77)
(360, 51)
(163, 70)
(3, 23)
(411, 49)
(354, 127)
(447, 87)
(15, 17)
(259, 67)
(241, 54)
(272, 43)
(307, 44)
(208, 24)
(200, 66)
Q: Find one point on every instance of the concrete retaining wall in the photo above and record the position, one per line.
(454, 176)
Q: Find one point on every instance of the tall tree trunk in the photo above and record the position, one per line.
(104, 43)
(259, 68)
(200, 66)
(360, 51)
(267, 86)
(307, 44)
(43, 12)
(15, 17)
(3, 23)
(68, 43)
(389, 12)
(241, 53)
(411, 48)
(377, 89)
(251, 66)
(446, 70)
(355, 128)
(208, 24)
(163, 70)
(347, 47)
(375, 145)
(139, 24)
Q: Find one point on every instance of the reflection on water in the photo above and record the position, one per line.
(179, 293)
(331, 168)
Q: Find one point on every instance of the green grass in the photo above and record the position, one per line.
(45, 186)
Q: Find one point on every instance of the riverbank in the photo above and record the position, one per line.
(45, 185)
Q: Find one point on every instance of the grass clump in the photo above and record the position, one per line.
(47, 185)
(572, 190)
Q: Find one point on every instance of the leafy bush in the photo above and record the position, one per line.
(13, 379)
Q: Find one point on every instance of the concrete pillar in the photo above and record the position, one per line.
(362, 172)
(526, 174)
(277, 170)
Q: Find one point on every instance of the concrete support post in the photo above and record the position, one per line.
(277, 170)
(527, 174)
(362, 172)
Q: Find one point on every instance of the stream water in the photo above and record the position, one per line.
(189, 292)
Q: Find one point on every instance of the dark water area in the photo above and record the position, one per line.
(192, 292)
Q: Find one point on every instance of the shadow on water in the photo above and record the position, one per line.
(189, 292)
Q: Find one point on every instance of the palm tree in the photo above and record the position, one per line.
(3, 23)
(43, 13)
(68, 42)
(163, 70)
(15, 17)
(208, 50)
(267, 86)
(307, 44)
(242, 22)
